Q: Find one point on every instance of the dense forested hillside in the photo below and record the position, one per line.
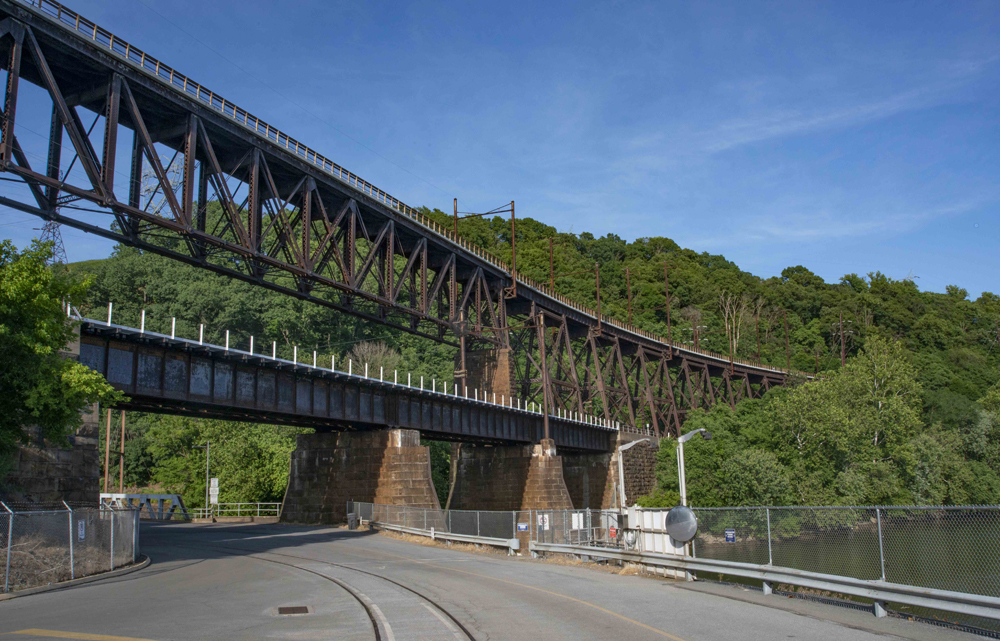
(911, 418)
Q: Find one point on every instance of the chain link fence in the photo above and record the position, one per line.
(577, 527)
(945, 548)
(40, 547)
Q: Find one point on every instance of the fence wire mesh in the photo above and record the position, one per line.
(43, 547)
(945, 548)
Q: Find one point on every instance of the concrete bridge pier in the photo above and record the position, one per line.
(508, 477)
(390, 467)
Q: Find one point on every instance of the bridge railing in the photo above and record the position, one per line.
(141, 61)
(43, 546)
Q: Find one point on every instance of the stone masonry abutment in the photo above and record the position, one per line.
(328, 469)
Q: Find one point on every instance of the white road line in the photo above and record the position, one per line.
(448, 624)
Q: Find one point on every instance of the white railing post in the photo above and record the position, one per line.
(135, 534)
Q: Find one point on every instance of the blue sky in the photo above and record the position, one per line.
(846, 137)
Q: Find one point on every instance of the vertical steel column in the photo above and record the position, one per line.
(55, 157)
(10, 98)
(545, 374)
(110, 150)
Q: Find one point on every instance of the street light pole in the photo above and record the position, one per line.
(705, 434)
(621, 469)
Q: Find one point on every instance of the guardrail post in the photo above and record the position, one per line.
(879, 607)
(72, 574)
(767, 588)
(770, 558)
(881, 553)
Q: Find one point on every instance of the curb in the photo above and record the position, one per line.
(81, 581)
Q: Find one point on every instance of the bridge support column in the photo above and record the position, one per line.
(509, 478)
(491, 370)
(592, 479)
(329, 469)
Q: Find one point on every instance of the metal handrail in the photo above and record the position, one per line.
(143, 62)
(877, 590)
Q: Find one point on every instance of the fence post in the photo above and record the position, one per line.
(72, 574)
(112, 538)
(513, 524)
(477, 522)
(881, 553)
(10, 538)
(135, 534)
(770, 558)
(425, 518)
(449, 522)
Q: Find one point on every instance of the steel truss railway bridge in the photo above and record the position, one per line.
(240, 198)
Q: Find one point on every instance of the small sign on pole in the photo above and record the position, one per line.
(543, 521)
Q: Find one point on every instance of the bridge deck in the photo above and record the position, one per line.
(180, 376)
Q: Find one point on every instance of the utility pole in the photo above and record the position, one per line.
(666, 289)
(788, 353)
(121, 459)
(456, 218)
(107, 451)
(628, 287)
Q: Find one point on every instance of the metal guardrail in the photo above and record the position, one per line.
(512, 545)
(236, 510)
(879, 591)
(495, 528)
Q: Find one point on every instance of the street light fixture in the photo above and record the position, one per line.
(705, 434)
(208, 454)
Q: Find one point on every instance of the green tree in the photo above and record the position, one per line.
(754, 477)
(40, 387)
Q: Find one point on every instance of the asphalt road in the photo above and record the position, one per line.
(228, 581)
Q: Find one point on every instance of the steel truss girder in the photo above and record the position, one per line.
(280, 223)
